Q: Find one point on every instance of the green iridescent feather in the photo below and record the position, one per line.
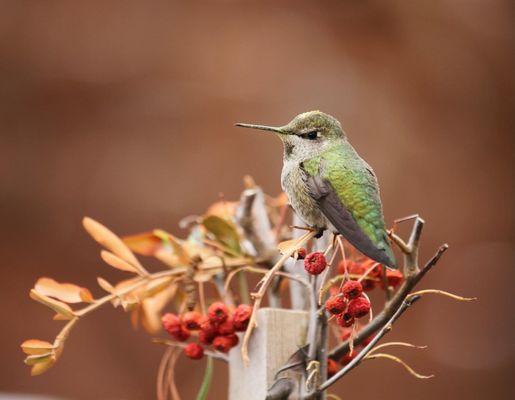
(356, 187)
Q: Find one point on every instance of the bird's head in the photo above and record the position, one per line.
(305, 135)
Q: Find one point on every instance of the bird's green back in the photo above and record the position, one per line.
(356, 186)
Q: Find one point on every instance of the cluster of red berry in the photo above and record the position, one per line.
(373, 277)
(349, 304)
(218, 328)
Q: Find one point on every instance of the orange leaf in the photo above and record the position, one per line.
(42, 367)
(146, 244)
(105, 285)
(39, 358)
(67, 292)
(58, 306)
(110, 241)
(177, 246)
(287, 245)
(36, 347)
(116, 262)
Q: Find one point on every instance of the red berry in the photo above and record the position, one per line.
(194, 351)
(394, 277)
(192, 320)
(332, 367)
(315, 263)
(226, 328)
(301, 253)
(171, 323)
(207, 326)
(234, 339)
(225, 343)
(206, 337)
(241, 317)
(217, 312)
(359, 307)
(336, 304)
(376, 272)
(352, 289)
(368, 285)
(182, 334)
(347, 358)
(345, 320)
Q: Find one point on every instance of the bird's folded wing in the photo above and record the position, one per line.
(341, 218)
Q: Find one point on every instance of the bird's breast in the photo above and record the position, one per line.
(293, 183)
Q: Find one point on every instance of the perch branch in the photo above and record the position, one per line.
(380, 319)
(406, 303)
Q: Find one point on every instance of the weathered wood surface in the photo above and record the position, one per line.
(279, 334)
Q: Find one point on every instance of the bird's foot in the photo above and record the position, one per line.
(319, 231)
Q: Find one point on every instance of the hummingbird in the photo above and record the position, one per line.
(329, 185)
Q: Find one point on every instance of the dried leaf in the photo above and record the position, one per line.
(151, 308)
(398, 360)
(223, 209)
(117, 262)
(287, 246)
(224, 231)
(168, 258)
(146, 244)
(389, 344)
(67, 292)
(156, 286)
(86, 296)
(110, 241)
(105, 285)
(42, 367)
(178, 249)
(60, 317)
(443, 293)
(39, 358)
(58, 306)
(36, 347)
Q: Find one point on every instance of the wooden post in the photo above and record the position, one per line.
(279, 334)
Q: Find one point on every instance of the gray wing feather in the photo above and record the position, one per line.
(333, 209)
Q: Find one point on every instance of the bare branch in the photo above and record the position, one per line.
(390, 308)
(383, 331)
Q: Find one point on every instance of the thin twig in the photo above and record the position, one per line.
(381, 318)
(398, 360)
(263, 284)
(215, 355)
(383, 331)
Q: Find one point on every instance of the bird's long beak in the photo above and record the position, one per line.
(262, 127)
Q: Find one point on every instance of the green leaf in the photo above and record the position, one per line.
(206, 383)
(224, 231)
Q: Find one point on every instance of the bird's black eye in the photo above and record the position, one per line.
(311, 135)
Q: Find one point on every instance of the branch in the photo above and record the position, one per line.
(252, 217)
(390, 308)
(383, 331)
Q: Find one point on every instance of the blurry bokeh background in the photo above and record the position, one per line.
(124, 111)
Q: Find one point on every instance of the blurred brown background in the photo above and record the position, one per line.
(124, 111)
